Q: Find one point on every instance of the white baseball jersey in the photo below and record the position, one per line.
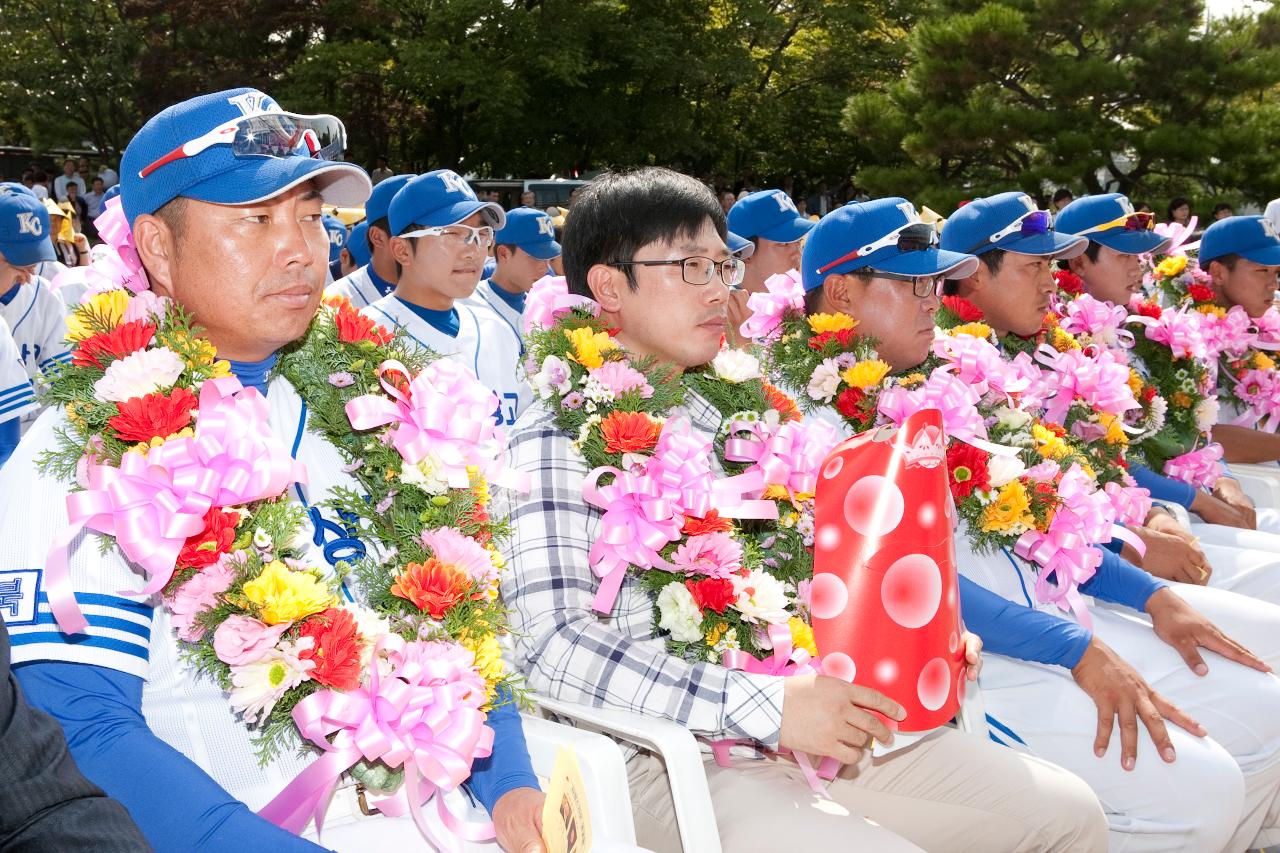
(484, 344)
(17, 396)
(37, 319)
(487, 295)
(357, 287)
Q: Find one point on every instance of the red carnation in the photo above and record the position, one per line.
(1200, 293)
(1148, 393)
(354, 327)
(1069, 282)
(209, 544)
(713, 593)
(966, 470)
(962, 308)
(848, 401)
(121, 341)
(709, 523)
(153, 416)
(336, 651)
(844, 337)
(1148, 308)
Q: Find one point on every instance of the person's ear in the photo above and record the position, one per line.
(1076, 264)
(156, 246)
(840, 294)
(606, 284)
(378, 237)
(401, 250)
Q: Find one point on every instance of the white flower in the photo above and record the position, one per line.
(1207, 413)
(1159, 412)
(553, 377)
(761, 597)
(372, 627)
(261, 539)
(1004, 469)
(825, 380)
(1012, 418)
(735, 365)
(138, 374)
(596, 391)
(427, 475)
(257, 687)
(679, 613)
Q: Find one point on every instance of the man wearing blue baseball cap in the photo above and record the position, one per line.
(1016, 245)
(337, 233)
(223, 193)
(34, 313)
(355, 252)
(442, 235)
(523, 248)
(769, 222)
(376, 277)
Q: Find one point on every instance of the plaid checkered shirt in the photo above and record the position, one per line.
(567, 650)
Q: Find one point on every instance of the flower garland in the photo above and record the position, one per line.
(178, 465)
(727, 559)
(1016, 481)
(1234, 345)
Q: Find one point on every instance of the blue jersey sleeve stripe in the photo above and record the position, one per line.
(20, 388)
(21, 404)
(57, 638)
(96, 621)
(105, 601)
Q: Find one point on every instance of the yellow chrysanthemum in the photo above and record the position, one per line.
(1063, 341)
(911, 380)
(1181, 399)
(830, 323)
(478, 485)
(221, 369)
(1215, 310)
(287, 596)
(866, 373)
(1010, 511)
(802, 636)
(589, 346)
(777, 493)
(1171, 266)
(488, 652)
(1262, 361)
(102, 312)
(1048, 445)
(1114, 435)
(717, 631)
(1135, 382)
(975, 330)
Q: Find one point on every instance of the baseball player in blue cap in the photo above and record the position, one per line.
(769, 222)
(223, 194)
(442, 236)
(337, 233)
(524, 246)
(376, 277)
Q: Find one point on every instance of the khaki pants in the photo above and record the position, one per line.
(950, 792)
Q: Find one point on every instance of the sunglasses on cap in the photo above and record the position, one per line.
(1029, 224)
(912, 237)
(1128, 221)
(279, 135)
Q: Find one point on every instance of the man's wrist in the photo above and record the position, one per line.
(1158, 600)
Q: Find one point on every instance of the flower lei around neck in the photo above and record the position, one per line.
(724, 547)
(1019, 481)
(1234, 345)
(177, 464)
(1168, 374)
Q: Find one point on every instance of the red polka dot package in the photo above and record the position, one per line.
(885, 603)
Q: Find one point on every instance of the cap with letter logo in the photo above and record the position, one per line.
(437, 199)
(531, 230)
(770, 214)
(24, 230)
(1251, 237)
(1110, 220)
(1010, 222)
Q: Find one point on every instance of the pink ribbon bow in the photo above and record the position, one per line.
(789, 456)
(976, 361)
(956, 399)
(1178, 234)
(1268, 329)
(549, 299)
(423, 715)
(151, 504)
(1096, 378)
(446, 413)
(115, 264)
(1230, 335)
(1131, 503)
(1200, 468)
(1100, 320)
(1179, 330)
(639, 521)
(783, 292)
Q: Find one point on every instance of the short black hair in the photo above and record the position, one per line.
(1177, 202)
(1062, 193)
(620, 212)
(813, 298)
(992, 260)
(1221, 206)
(1092, 252)
(1228, 260)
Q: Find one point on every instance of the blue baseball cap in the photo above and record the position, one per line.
(884, 234)
(189, 150)
(437, 199)
(770, 214)
(11, 187)
(531, 230)
(740, 246)
(113, 191)
(1085, 216)
(1251, 237)
(358, 244)
(380, 199)
(1016, 225)
(24, 230)
(337, 235)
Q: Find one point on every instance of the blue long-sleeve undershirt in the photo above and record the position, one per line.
(1017, 631)
(1121, 582)
(1164, 488)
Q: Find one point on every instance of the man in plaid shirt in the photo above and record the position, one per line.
(630, 234)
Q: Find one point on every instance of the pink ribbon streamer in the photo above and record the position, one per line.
(446, 413)
(152, 504)
(1096, 378)
(1200, 468)
(423, 715)
(639, 521)
(115, 264)
(550, 299)
(1100, 320)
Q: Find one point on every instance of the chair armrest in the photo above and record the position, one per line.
(679, 750)
(1260, 482)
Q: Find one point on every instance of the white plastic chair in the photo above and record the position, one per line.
(1260, 482)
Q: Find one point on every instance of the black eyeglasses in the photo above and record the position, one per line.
(923, 286)
(698, 270)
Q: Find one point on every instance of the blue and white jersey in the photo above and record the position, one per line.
(37, 319)
(132, 633)
(484, 344)
(17, 395)
(358, 287)
(487, 295)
